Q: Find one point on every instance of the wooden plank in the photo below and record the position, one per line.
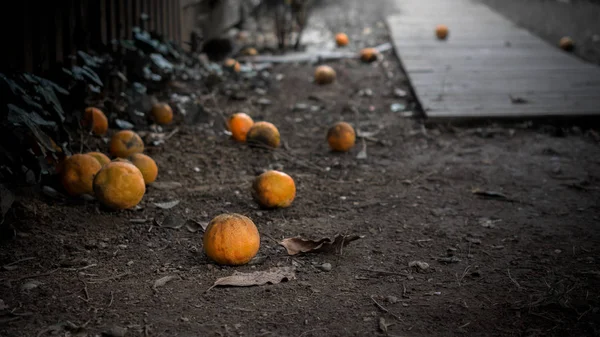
(475, 72)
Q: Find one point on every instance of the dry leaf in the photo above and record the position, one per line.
(194, 226)
(363, 152)
(173, 221)
(167, 205)
(257, 278)
(163, 280)
(326, 245)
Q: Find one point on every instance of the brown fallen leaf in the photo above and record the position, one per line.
(326, 245)
(163, 280)
(273, 276)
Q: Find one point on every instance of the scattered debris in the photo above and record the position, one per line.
(362, 155)
(397, 107)
(124, 125)
(30, 285)
(399, 93)
(272, 276)
(172, 221)
(166, 185)
(490, 194)
(449, 259)
(420, 265)
(163, 280)
(488, 222)
(194, 226)
(298, 245)
(3, 306)
(167, 204)
(325, 267)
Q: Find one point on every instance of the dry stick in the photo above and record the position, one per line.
(118, 276)
(385, 310)
(34, 275)
(85, 291)
(19, 261)
(112, 297)
(391, 273)
(513, 280)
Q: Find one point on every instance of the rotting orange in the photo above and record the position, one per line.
(341, 39)
(100, 157)
(341, 137)
(263, 133)
(232, 64)
(369, 54)
(162, 113)
(146, 165)
(239, 124)
(274, 189)
(125, 143)
(119, 185)
(231, 239)
(77, 174)
(324, 74)
(95, 120)
(441, 31)
(566, 43)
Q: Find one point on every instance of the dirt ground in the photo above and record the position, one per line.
(524, 265)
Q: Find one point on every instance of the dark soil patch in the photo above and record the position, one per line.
(526, 266)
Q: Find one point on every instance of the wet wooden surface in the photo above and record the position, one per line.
(488, 66)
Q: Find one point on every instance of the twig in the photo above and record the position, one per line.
(118, 276)
(34, 275)
(85, 291)
(383, 272)
(171, 134)
(513, 280)
(19, 261)
(270, 237)
(112, 297)
(385, 310)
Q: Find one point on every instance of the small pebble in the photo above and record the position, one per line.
(392, 299)
(325, 267)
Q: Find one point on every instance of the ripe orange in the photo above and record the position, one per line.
(566, 43)
(162, 113)
(441, 31)
(341, 39)
(250, 52)
(264, 133)
(239, 124)
(77, 174)
(125, 143)
(324, 74)
(95, 120)
(232, 64)
(274, 189)
(231, 239)
(119, 185)
(100, 157)
(146, 165)
(369, 54)
(341, 137)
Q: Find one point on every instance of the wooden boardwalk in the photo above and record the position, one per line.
(488, 66)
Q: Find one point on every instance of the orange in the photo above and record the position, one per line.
(441, 31)
(566, 43)
(162, 113)
(341, 137)
(100, 157)
(369, 54)
(232, 64)
(341, 39)
(77, 174)
(274, 189)
(324, 75)
(125, 143)
(95, 120)
(239, 124)
(231, 239)
(119, 185)
(146, 165)
(122, 160)
(264, 133)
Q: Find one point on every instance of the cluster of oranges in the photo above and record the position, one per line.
(119, 183)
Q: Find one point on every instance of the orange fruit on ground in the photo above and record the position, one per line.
(324, 74)
(264, 133)
(239, 124)
(122, 160)
(162, 113)
(369, 54)
(125, 143)
(232, 64)
(341, 39)
(119, 185)
(274, 189)
(146, 165)
(231, 239)
(77, 174)
(95, 120)
(341, 137)
(100, 157)
(566, 43)
(441, 31)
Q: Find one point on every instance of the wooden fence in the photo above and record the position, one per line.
(41, 35)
